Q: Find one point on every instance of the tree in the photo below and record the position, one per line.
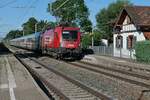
(14, 34)
(86, 41)
(107, 16)
(97, 37)
(29, 26)
(73, 12)
(43, 25)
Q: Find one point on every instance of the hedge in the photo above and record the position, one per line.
(142, 50)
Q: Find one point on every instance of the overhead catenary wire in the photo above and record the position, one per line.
(61, 5)
(30, 5)
(28, 8)
(35, 2)
(6, 25)
(56, 10)
(22, 7)
(8, 3)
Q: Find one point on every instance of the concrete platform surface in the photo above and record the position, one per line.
(16, 83)
(97, 59)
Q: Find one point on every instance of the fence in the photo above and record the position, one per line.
(103, 50)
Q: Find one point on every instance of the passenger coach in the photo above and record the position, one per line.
(59, 42)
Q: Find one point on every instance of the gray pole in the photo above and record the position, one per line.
(23, 32)
(36, 27)
(93, 37)
(92, 41)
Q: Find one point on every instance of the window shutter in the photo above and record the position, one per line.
(127, 42)
(116, 42)
(134, 41)
(121, 45)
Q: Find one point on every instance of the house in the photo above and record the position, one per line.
(132, 25)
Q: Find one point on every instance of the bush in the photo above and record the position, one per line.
(86, 41)
(142, 50)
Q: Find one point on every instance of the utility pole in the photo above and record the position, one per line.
(93, 36)
(92, 39)
(23, 29)
(23, 32)
(36, 27)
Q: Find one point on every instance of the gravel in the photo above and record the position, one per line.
(108, 85)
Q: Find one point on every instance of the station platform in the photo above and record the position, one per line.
(16, 83)
(114, 61)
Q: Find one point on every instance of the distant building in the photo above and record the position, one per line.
(133, 25)
(104, 42)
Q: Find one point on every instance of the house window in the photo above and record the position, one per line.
(131, 40)
(119, 41)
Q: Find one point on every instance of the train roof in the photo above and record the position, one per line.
(27, 36)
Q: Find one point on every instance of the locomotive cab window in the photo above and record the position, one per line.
(70, 35)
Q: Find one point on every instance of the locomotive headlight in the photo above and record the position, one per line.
(79, 44)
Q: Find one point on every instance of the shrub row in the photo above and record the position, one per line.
(142, 50)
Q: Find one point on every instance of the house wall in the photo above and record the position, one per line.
(125, 52)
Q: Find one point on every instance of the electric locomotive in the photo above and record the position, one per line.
(60, 42)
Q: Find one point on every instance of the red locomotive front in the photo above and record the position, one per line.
(62, 42)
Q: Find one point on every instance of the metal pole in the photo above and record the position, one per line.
(92, 41)
(36, 27)
(120, 53)
(23, 32)
(92, 38)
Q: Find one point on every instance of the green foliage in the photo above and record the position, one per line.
(97, 37)
(29, 26)
(107, 17)
(43, 25)
(74, 12)
(86, 41)
(142, 50)
(14, 34)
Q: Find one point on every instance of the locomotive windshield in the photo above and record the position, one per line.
(70, 35)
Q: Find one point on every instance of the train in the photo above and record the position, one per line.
(59, 42)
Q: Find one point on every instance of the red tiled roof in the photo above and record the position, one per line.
(140, 15)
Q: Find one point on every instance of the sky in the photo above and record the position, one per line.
(13, 13)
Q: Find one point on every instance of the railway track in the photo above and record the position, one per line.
(127, 72)
(44, 61)
(65, 87)
(134, 67)
(133, 78)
